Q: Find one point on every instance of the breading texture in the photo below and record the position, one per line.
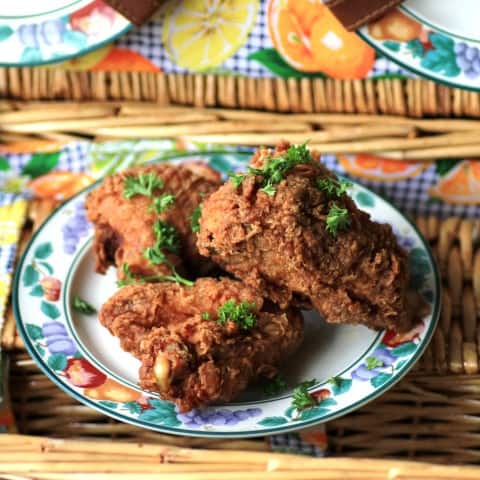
(124, 226)
(187, 355)
(279, 245)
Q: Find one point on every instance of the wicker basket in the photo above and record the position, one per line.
(433, 414)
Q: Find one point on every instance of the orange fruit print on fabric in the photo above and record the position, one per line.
(309, 38)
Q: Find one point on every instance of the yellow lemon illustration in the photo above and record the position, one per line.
(202, 34)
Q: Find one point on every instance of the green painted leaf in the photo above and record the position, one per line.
(314, 413)
(289, 412)
(40, 164)
(273, 61)
(273, 421)
(75, 39)
(43, 251)
(220, 163)
(30, 276)
(401, 364)
(108, 404)
(5, 32)
(133, 407)
(328, 402)
(161, 404)
(415, 47)
(34, 331)
(4, 165)
(364, 199)
(341, 386)
(393, 46)
(31, 55)
(404, 349)
(441, 42)
(46, 266)
(158, 416)
(36, 291)
(380, 379)
(58, 361)
(78, 355)
(444, 165)
(50, 310)
(171, 421)
(40, 349)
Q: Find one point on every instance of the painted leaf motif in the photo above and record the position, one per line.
(31, 55)
(289, 412)
(34, 331)
(158, 416)
(364, 199)
(341, 386)
(133, 407)
(36, 291)
(107, 404)
(171, 421)
(441, 42)
(46, 266)
(404, 350)
(41, 163)
(5, 32)
(313, 413)
(43, 251)
(380, 379)
(220, 163)
(328, 402)
(273, 421)
(50, 310)
(393, 46)
(161, 405)
(40, 350)
(30, 276)
(58, 361)
(75, 39)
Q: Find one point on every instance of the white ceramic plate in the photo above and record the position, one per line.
(45, 31)
(78, 354)
(437, 40)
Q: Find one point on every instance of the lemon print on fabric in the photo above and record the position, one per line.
(380, 169)
(201, 34)
(460, 185)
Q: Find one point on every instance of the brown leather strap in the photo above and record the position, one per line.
(355, 13)
(137, 11)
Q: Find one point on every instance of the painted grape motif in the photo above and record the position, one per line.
(76, 228)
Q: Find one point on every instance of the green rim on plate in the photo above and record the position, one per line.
(51, 36)
(53, 261)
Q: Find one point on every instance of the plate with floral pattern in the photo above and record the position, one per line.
(344, 366)
(437, 40)
(48, 31)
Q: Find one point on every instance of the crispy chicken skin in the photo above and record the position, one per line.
(124, 227)
(192, 360)
(279, 245)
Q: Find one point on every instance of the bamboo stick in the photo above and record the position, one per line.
(429, 154)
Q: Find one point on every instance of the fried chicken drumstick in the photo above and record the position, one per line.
(201, 344)
(133, 209)
(288, 229)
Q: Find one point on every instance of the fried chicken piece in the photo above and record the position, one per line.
(124, 226)
(280, 245)
(193, 360)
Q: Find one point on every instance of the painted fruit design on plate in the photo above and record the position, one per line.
(376, 168)
(396, 26)
(310, 39)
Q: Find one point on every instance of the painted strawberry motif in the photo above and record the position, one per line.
(321, 394)
(51, 288)
(393, 339)
(81, 373)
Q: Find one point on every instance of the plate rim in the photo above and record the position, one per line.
(84, 51)
(306, 424)
(390, 55)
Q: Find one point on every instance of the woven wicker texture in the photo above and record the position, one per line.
(413, 97)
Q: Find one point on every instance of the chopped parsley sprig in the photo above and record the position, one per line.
(337, 219)
(239, 313)
(141, 184)
(82, 306)
(302, 398)
(275, 386)
(274, 169)
(130, 279)
(332, 187)
(162, 203)
(195, 219)
(373, 362)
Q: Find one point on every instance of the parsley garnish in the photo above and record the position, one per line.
(332, 187)
(337, 219)
(274, 169)
(195, 218)
(372, 362)
(130, 279)
(335, 381)
(160, 204)
(205, 316)
(142, 184)
(275, 386)
(241, 314)
(301, 398)
(166, 238)
(82, 306)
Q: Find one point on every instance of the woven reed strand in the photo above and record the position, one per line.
(413, 97)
